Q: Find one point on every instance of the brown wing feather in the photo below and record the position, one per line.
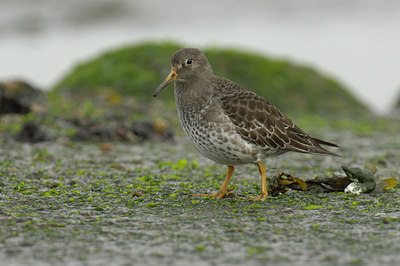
(261, 123)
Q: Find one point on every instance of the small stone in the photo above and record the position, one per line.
(363, 180)
(32, 131)
(19, 97)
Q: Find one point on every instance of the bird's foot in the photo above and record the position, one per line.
(262, 197)
(219, 195)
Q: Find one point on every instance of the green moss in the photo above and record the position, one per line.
(312, 207)
(200, 248)
(138, 70)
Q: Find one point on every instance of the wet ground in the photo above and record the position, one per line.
(92, 204)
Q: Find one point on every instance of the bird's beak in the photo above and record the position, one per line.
(171, 78)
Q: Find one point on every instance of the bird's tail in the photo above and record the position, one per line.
(320, 150)
(324, 142)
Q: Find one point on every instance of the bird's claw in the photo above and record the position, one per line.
(262, 197)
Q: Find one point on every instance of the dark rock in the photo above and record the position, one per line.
(145, 130)
(396, 108)
(20, 97)
(168, 134)
(32, 131)
(96, 133)
(138, 131)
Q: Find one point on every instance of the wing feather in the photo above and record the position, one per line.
(262, 124)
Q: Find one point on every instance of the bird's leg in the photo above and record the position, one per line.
(264, 192)
(223, 191)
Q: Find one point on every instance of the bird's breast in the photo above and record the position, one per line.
(213, 134)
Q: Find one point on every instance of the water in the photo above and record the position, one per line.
(355, 41)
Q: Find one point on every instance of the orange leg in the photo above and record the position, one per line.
(223, 191)
(264, 192)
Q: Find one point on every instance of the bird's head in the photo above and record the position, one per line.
(187, 65)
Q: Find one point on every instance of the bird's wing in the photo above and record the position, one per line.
(262, 124)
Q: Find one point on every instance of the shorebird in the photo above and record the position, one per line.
(229, 124)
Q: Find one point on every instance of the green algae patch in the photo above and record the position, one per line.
(313, 207)
(137, 70)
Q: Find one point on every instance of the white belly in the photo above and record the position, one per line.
(218, 141)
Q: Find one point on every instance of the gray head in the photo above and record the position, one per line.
(186, 65)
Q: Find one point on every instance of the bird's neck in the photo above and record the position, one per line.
(196, 92)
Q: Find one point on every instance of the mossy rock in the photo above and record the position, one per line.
(138, 70)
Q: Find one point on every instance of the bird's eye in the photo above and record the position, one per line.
(188, 61)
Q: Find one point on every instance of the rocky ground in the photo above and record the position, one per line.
(91, 203)
(27, 114)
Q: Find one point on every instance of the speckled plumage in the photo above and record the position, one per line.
(226, 122)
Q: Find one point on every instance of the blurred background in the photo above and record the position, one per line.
(354, 41)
